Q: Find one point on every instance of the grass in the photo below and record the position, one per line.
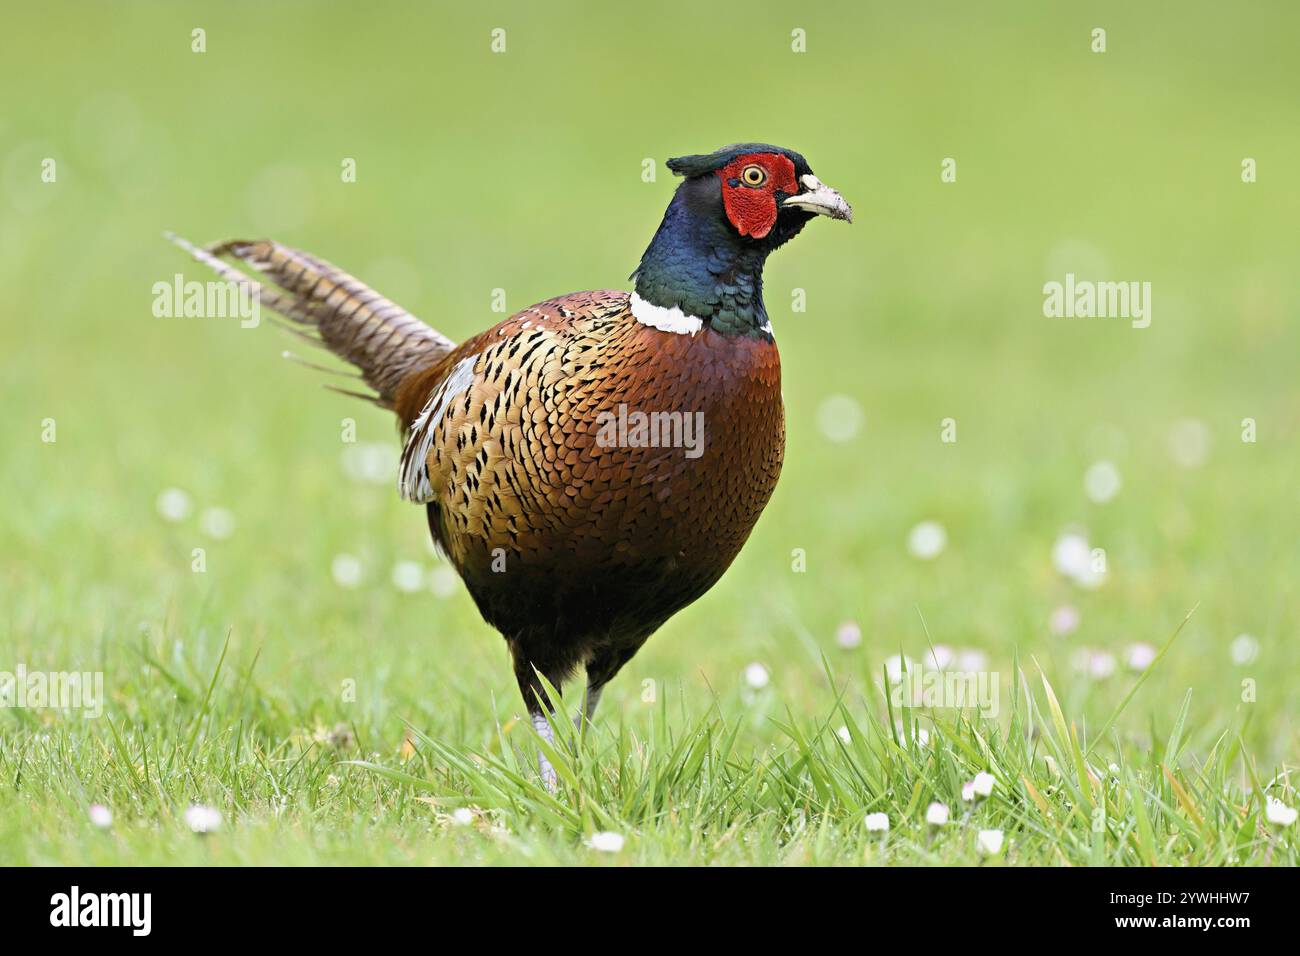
(346, 722)
(677, 786)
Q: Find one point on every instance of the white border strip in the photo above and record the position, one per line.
(666, 320)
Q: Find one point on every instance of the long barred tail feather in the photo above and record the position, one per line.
(330, 308)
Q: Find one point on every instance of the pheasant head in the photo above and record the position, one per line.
(735, 206)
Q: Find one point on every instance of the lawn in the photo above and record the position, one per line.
(195, 519)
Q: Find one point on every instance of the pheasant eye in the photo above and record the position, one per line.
(753, 175)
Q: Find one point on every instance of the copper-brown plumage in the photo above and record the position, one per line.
(556, 535)
(577, 540)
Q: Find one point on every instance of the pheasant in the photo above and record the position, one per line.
(594, 463)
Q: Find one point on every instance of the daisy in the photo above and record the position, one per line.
(346, 570)
(173, 504)
(989, 842)
(202, 819)
(606, 842)
(756, 676)
(1141, 656)
(927, 540)
(1279, 813)
(101, 816)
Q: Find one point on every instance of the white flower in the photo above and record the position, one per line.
(1189, 443)
(756, 676)
(444, 580)
(848, 635)
(462, 816)
(983, 784)
(989, 842)
(939, 657)
(217, 523)
(346, 570)
(968, 792)
(1101, 665)
(101, 816)
(202, 819)
(606, 842)
(927, 540)
(1278, 812)
(408, 576)
(1065, 620)
(1071, 555)
(936, 814)
(844, 735)
(839, 417)
(1141, 656)
(1092, 578)
(877, 822)
(919, 733)
(1101, 482)
(174, 504)
(1244, 649)
(896, 665)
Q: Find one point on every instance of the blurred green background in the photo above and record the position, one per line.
(522, 171)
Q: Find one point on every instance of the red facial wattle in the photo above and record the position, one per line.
(753, 209)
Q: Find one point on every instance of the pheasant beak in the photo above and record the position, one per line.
(819, 198)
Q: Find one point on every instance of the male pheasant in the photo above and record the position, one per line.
(594, 463)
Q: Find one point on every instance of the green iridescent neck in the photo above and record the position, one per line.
(697, 262)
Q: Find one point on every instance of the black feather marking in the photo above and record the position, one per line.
(701, 164)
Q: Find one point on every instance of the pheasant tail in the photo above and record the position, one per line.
(332, 309)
